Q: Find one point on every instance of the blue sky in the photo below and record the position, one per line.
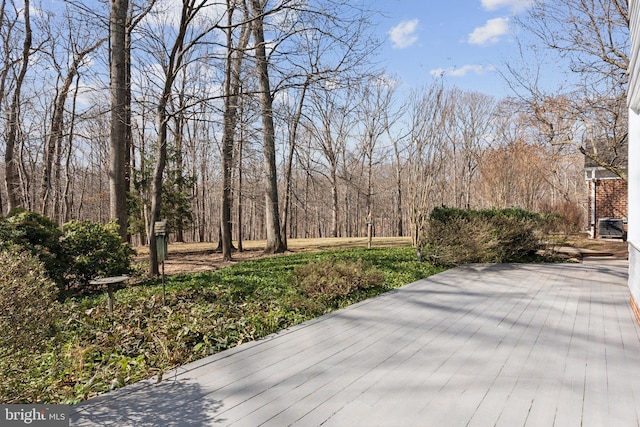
(464, 43)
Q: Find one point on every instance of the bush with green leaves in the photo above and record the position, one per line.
(38, 235)
(325, 281)
(28, 306)
(461, 236)
(96, 251)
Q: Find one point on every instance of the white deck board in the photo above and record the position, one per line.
(483, 345)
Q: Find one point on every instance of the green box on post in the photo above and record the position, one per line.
(162, 240)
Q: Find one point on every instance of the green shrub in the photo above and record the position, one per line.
(458, 241)
(516, 238)
(96, 251)
(39, 236)
(461, 236)
(325, 281)
(28, 307)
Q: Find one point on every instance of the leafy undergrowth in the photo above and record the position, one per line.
(93, 351)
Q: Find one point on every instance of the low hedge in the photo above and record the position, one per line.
(461, 236)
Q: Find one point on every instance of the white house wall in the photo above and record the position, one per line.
(633, 100)
(633, 236)
(633, 94)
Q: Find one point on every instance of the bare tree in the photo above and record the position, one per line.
(375, 116)
(77, 57)
(178, 52)
(12, 174)
(274, 239)
(514, 174)
(330, 129)
(324, 41)
(470, 119)
(7, 24)
(592, 37)
(293, 124)
(427, 156)
(235, 53)
(119, 97)
(592, 34)
(67, 199)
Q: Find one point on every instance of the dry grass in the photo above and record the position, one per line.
(196, 257)
(295, 245)
(615, 247)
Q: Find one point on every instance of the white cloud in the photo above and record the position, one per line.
(331, 84)
(90, 95)
(168, 12)
(462, 71)
(385, 80)
(490, 33)
(404, 34)
(513, 5)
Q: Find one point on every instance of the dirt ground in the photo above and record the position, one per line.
(199, 257)
(607, 247)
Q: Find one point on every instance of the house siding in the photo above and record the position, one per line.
(633, 101)
(634, 210)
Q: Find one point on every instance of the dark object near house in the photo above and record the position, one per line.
(607, 191)
(611, 227)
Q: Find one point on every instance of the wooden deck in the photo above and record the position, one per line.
(487, 345)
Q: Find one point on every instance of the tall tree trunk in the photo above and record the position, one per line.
(229, 127)
(156, 185)
(57, 190)
(12, 171)
(307, 184)
(55, 137)
(175, 59)
(399, 224)
(180, 121)
(398, 173)
(369, 198)
(334, 201)
(128, 133)
(272, 218)
(227, 197)
(292, 148)
(129, 156)
(118, 138)
(232, 92)
(240, 189)
(67, 200)
(203, 207)
(57, 122)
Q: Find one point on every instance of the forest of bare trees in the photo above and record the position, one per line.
(256, 119)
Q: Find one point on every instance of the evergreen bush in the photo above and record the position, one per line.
(461, 236)
(28, 306)
(96, 250)
(38, 235)
(323, 282)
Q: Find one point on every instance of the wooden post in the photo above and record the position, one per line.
(369, 230)
(110, 281)
(110, 293)
(162, 242)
